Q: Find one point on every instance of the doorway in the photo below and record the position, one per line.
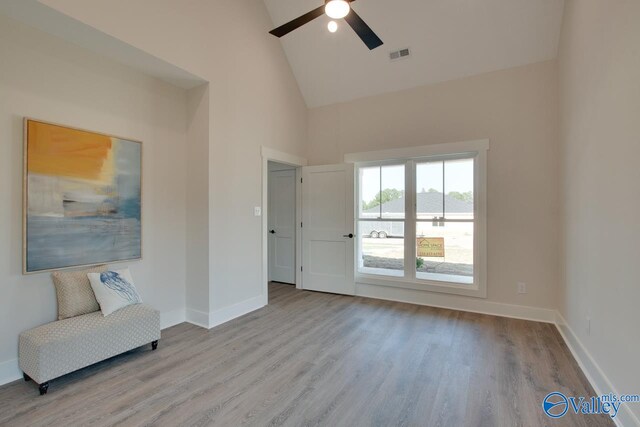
(281, 222)
(323, 255)
(291, 162)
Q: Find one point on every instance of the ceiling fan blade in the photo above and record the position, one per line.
(363, 30)
(298, 22)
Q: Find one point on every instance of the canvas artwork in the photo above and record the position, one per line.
(83, 197)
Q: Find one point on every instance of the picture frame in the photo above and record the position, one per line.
(82, 197)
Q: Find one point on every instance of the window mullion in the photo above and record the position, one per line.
(444, 186)
(380, 190)
(410, 221)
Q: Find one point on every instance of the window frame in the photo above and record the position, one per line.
(410, 157)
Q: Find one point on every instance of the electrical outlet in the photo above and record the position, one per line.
(522, 288)
(257, 211)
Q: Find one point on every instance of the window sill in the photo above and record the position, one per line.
(446, 279)
(470, 290)
(382, 272)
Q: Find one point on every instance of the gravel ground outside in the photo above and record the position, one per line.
(428, 267)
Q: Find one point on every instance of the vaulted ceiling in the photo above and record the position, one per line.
(449, 39)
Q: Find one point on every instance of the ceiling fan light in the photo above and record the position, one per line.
(332, 26)
(337, 9)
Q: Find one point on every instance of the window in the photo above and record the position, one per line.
(444, 202)
(420, 223)
(381, 220)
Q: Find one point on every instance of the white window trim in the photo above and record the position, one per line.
(478, 150)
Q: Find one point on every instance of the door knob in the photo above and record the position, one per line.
(350, 235)
(272, 231)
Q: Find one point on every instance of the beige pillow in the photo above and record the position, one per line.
(73, 289)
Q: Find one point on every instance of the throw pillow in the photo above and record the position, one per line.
(74, 293)
(114, 290)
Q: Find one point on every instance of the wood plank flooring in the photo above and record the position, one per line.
(319, 359)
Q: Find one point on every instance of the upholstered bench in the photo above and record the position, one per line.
(58, 348)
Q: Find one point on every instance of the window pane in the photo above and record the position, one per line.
(381, 248)
(458, 187)
(369, 189)
(392, 195)
(429, 190)
(445, 252)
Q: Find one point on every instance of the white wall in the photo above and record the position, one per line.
(48, 79)
(197, 297)
(600, 138)
(253, 100)
(517, 110)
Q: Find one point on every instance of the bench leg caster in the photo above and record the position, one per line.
(43, 388)
(26, 377)
(154, 345)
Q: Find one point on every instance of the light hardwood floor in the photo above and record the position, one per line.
(319, 359)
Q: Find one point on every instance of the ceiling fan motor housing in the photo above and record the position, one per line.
(327, 1)
(338, 10)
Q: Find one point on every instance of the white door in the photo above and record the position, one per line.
(328, 229)
(282, 222)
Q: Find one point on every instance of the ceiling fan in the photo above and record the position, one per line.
(335, 9)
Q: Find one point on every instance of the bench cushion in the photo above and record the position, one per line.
(61, 347)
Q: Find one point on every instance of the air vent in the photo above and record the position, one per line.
(400, 54)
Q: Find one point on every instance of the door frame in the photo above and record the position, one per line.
(271, 155)
(282, 175)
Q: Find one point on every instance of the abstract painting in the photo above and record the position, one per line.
(82, 198)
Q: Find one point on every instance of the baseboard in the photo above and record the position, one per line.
(226, 314)
(9, 371)
(172, 318)
(197, 317)
(223, 315)
(455, 302)
(595, 375)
